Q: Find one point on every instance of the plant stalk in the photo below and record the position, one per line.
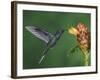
(86, 59)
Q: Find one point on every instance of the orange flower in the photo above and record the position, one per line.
(83, 38)
(73, 31)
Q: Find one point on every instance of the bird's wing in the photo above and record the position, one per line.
(43, 35)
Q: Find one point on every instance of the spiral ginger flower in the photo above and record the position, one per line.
(83, 39)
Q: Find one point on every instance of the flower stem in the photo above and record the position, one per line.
(86, 59)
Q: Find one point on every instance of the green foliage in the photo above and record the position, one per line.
(52, 21)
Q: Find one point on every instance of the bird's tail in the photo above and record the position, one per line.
(41, 59)
(44, 53)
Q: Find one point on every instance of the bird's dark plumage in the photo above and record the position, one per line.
(45, 36)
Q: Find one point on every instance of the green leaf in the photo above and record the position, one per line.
(73, 50)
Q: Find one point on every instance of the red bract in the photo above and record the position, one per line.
(83, 39)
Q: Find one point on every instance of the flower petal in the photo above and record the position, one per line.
(73, 31)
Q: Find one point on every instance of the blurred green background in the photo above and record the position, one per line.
(60, 55)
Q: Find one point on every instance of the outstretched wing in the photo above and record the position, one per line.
(43, 35)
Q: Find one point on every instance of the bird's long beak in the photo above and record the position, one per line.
(65, 29)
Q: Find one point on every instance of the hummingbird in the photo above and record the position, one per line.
(47, 37)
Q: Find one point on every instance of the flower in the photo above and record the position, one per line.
(73, 31)
(83, 38)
